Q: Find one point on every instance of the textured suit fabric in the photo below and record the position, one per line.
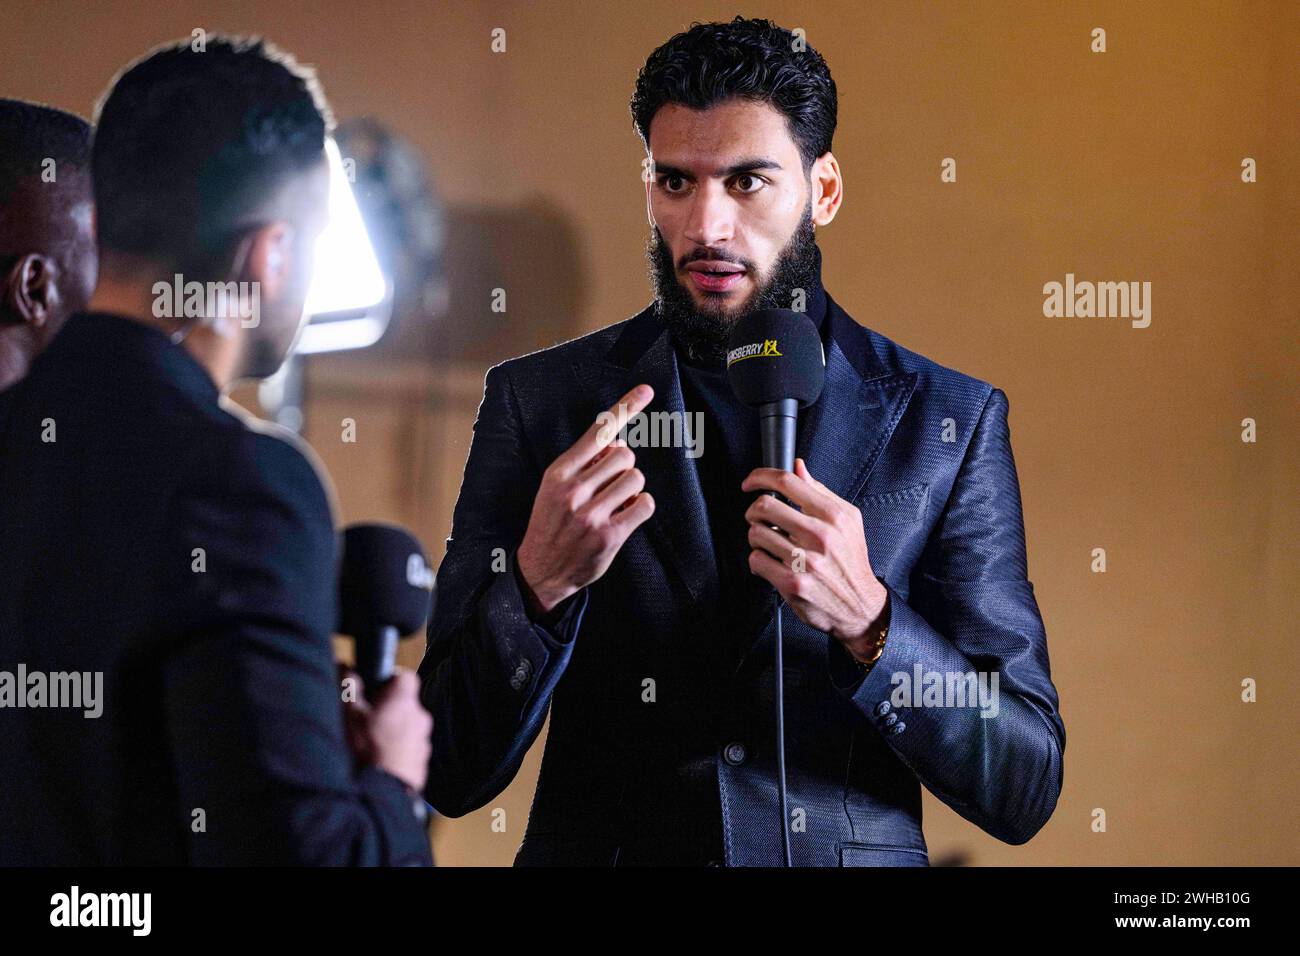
(220, 689)
(636, 688)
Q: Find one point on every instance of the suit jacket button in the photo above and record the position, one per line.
(523, 671)
(897, 728)
(734, 753)
(882, 708)
(890, 720)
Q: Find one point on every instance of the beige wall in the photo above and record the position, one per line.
(1119, 166)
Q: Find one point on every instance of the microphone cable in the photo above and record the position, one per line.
(780, 734)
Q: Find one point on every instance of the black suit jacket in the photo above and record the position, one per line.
(923, 451)
(149, 535)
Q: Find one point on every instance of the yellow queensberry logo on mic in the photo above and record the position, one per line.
(764, 349)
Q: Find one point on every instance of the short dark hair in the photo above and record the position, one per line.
(30, 134)
(192, 138)
(751, 59)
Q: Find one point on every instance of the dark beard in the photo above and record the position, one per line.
(263, 360)
(267, 349)
(703, 332)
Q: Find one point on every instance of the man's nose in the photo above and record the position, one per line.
(712, 217)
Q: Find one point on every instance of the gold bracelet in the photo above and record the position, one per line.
(878, 646)
(879, 649)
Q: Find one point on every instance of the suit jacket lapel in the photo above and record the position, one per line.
(679, 527)
(843, 435)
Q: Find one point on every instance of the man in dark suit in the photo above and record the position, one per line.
(167, 577)
(628, 585)
(47, 236)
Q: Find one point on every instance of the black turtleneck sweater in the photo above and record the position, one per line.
(732, 449)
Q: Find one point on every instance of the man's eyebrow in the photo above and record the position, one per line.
(744, 166)
(663, 170)
(747, 165)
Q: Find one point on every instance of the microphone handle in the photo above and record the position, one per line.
(777, 421)
(377, 658)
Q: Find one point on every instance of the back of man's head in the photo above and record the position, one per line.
(209, 168)
(194, 142)
(37, 143)
(47, 252)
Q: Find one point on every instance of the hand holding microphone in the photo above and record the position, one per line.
(390, 728)
(815, 556)
(384, 594)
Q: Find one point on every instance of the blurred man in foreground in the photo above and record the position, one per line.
(167, 585)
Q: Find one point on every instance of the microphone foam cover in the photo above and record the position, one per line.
(775, 354)
(384, 580)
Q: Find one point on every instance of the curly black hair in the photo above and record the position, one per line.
(751, 59)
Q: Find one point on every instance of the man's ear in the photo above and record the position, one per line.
(827, 189)
(31, 289)
(270, 258)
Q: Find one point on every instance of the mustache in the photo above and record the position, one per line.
(713, 255)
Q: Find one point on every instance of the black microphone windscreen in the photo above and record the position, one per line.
(384, 580)
(775, 354)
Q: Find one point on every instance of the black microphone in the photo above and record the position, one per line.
(776, 364)
(385, 593)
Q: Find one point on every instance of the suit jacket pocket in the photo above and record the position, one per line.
(901, 506)
(878, 854)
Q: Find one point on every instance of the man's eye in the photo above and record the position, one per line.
(672, 184)
(749, 184)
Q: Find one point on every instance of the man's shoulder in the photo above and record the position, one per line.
(224, 451)
(245, 454)
(933, 378)
(252, 497)
(541, 365)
